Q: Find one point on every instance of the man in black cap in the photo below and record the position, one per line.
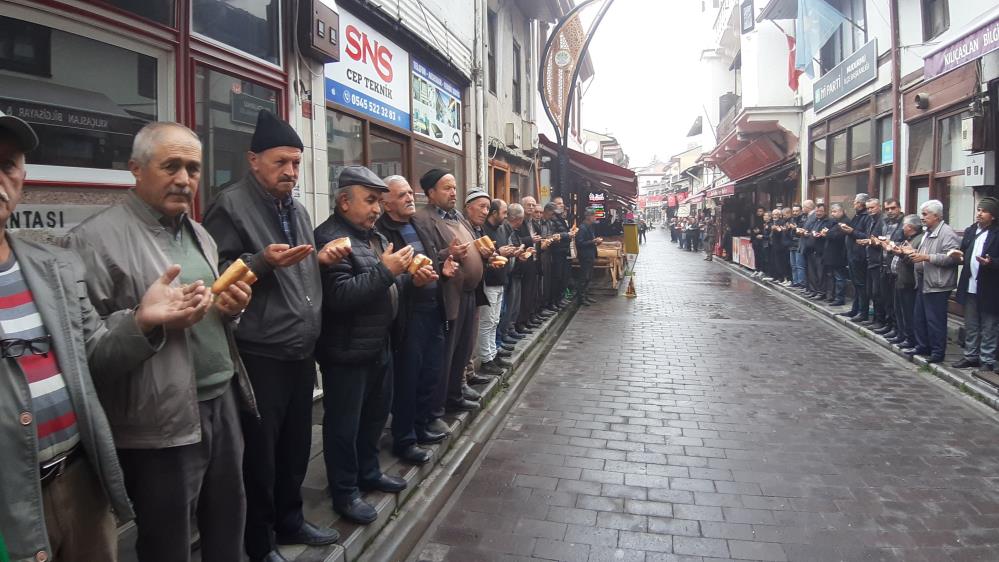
(361, 296)
(257, 220)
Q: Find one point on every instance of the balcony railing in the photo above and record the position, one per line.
(727, 121)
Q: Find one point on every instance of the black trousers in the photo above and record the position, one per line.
(905, 304)
(461, 335)
(560, 274)
(547, 279)
(418, 367)
(585, 276)
(858, 276)
(356, 402)
(528, 291)
(168, 485)
(277, 448)
(888, 295)
(876, 294)
(815, 273)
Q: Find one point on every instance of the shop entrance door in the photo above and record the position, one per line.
(387, 153)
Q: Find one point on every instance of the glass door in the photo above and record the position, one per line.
(386, 154)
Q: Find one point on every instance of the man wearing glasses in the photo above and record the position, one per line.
(61, 479)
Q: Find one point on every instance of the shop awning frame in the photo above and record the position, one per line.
(612, 178)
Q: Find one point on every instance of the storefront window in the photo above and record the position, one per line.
(884, 134)
(921, 146)
(85, 99)
(226, 109)
(951, 155)
(838, 162)
(844, 189)
(252, 26)
(819, 158)
(958, 200)
(860, 145)
(426, 157)
(160, 11)
(344, 144)
(387, 156)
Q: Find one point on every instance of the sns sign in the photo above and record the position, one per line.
(372, 76)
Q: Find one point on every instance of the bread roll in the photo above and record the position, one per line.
(233, 273)
(341, 242)
(249, 278)
(419, 260)
(485, 243)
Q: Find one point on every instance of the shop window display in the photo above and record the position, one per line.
(426, 157)
(951, 156)
(248, 25)
(921, 146)
(844, 188)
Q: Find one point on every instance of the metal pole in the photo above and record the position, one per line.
(896, 99)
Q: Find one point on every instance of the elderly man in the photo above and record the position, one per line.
(175, 419)
(418, 338)
(936, 262)
(257, 220)
(866, 238)
(891, 232)
(559, 255)
(978, 288)
(857, 256)
(798, 263)
(62, 485)
(586, 250)
(462, 294)
(905, 282)
(530, 270)
(513, 292)
(361, 298)
(494, 226)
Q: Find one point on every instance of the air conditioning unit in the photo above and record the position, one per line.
(979, 169)
(513, 135)
(529, 136)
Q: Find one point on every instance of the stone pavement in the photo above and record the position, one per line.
(688, 424)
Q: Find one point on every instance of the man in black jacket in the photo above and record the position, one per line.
(978, 288)
(513, 292)
(857, 257)
(905, 283)
(361, 296)
(866, 239)
(834, 254)
(586, 252)
(495, 279)
(418, 342)
(559, 255)
(891, 233)
(257, 219)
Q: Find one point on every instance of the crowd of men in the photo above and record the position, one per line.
(902, 269)
(694, 233)
(137, 386)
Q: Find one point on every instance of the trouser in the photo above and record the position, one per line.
(672, 234)
(356, 401)
(929, 320)
(835, 281)
(585, 276)
(460, 344)
(981, 330)
(858, 276)
(546, 280)
(417, 371)
(489, 317)
(815, 273)
(760, 254)
(874, 291)
(888, 296)
(641, 236)
(905, 302)
(277, 448)
(205, 479)
(560, 270)
(528, 292)
(798, 266)
(783, 269)
(511, 307)
(78, 517)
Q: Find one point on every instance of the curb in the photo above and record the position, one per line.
(965, 382)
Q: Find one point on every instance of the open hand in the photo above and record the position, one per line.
(171, 306)
(332, 254)
(450, 267)
(235, 299)
(397, 262)
(984, 260)
(283, 255)
(507, 251)
(424, 276)
(845, 227)
(457, 250)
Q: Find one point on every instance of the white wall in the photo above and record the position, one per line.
(512, 26)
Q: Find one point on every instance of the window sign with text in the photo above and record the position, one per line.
(436, 107)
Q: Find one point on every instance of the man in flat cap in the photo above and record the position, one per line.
(257, 220)
(361, 296)
(463, 293)
(62, 486)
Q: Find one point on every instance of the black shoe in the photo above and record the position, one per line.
(309, 534)
(531, 325)
(503, 353)
(501, 363)
(887, 332)
(463, 406)
(847, 314)
(895, 341)
(859, 319)
(415, 454)
(508, 347)
(838, 303)
(272, 556)
(437, 425)
(985, 370)
(478, 379)
(387, 484)
(490, 368)
(357, 510)
(590, 300)
(905, 344)
(426, 437)
(523, 330)
(935, 359)
(912, 352)
(866, 323)
(507, 340)
(819, 297)
(469, 393)
(964, 363)
(515, 336)
(875, 326)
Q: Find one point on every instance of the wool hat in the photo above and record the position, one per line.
(430, 179)
(990, 205)
(550, 207)
(24, 135)
(476, 193)
(359, 175)
(272, 132)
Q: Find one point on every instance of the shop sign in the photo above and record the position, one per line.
(856, 70)
(44, 114)
(973, 45)
(742, 251)
(887, 151)
(372, 76)
(596, 201)
(55, 218)
(243, 108)
(748, 15)
(436, 107)
(721, 191)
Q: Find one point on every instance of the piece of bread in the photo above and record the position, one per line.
(249, 278)
(419, 260)
(485, 243)
(341, 242)
(498, 261)
(233, 273)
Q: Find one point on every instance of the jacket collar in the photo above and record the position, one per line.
(148, 215)
(352, 229)
(388, 223)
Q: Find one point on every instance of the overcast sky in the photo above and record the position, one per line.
(644, 91)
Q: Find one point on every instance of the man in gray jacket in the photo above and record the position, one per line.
(174, 418)
(61, 479)
(936, 262)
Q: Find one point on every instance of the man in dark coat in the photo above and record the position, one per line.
(586, 252)
(857, 257)
(834, 255)
(905, 282)
(418, 341)
(361, 296)
(865, 239)
(891, 233)
(559, 255)
(978, 288)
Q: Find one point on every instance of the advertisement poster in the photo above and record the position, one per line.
(436, 107)
(372, 76)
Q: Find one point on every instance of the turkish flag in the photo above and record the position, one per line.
(792, 72)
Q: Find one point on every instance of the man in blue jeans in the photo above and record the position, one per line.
(797, 249)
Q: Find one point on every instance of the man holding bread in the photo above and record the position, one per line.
(257, 220)
(175, 418)
(361, 298)
(418, 337)
(496, 277)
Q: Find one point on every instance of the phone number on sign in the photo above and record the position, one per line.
(376, 108)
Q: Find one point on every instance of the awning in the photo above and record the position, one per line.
(42, 103)
(779, 172)
(617, 181)
(721, 191)
(958, 47)
(779, 10)
(696, 198)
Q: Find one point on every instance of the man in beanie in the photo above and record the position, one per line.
(361, 300)
(257, 220)
(978, 288)
(462, 293)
